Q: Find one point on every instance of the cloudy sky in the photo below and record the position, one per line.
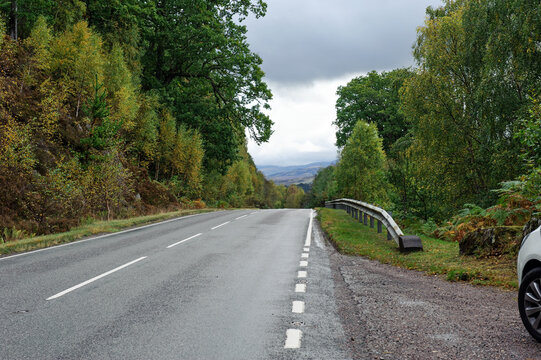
(309, 48)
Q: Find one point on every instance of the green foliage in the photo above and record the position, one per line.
(323, 187)
(67, 13)
(237, 184)
(529, 134)
(294, 197)
(120, 85)
(187, 161)
(99, 96)
(373, 98)
(468, 95)
(360, 173)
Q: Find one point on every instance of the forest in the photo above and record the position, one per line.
(454, 143)
(112, 109)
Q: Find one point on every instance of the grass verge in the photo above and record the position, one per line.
(95, 228)
(438, 258)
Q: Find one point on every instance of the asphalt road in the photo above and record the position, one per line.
(225, 285)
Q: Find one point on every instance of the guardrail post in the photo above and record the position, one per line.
(366, 219)
(371, 222)
(360, 216)
(379, 227)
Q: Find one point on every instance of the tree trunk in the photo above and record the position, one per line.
(13, 20)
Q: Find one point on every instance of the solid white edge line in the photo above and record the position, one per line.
(240, 217)
(216, 227)
(293, 339)
(103, 236)
(302, 274)
(94, 279)
(309, 232)
(180, 242)
(303, 263)
(300, 287)
(298, 307)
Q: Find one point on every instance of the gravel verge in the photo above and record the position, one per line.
(393, 313)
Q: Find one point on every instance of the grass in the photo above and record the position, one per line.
(93, 228)
(438, 258)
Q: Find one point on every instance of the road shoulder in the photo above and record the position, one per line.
(390, 313)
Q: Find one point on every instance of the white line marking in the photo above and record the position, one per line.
(301, 274)
(317, 239)
(216, 227)
(298, 307)
(255, 212)
(240, 217)
(306, 249)
(102, 236)
(293, 339)
(180, 242)
(303, 263)
(300, 287)
(94, 279)
(304, 255)
(309, 232)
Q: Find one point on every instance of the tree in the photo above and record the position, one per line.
(187, 161)
(465, 101)
(121, 88)
(237, 184)
(197, 56)
(360, 173)
(294, 196)
(76, 61)
(373, 98)
(323, 187)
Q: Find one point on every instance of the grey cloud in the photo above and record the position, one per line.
(303, 40)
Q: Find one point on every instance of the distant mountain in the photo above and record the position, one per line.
(295, 174)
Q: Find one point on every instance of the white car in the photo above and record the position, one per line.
(529, 279)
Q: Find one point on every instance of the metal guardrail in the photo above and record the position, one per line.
(365, 212)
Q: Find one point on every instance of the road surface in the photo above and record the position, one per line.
(227, 285)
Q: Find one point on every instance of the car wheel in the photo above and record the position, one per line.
(529, 302)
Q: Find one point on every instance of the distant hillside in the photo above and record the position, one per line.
(295, 174)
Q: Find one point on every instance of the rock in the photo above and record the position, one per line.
(531, 225)
(493, 241)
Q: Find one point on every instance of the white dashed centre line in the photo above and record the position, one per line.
(301, 274)
(300, 288)
(216, 227)
(298, 307)
(293, 339)
(306, 249)
(303, 263)
(304, 255)
(240, 217)
(180, 242)
(94, 279)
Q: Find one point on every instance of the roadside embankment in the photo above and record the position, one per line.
(439, 257)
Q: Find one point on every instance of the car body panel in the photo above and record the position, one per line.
(529, 250)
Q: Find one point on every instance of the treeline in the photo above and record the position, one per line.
(461, 130)
(116, 108)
